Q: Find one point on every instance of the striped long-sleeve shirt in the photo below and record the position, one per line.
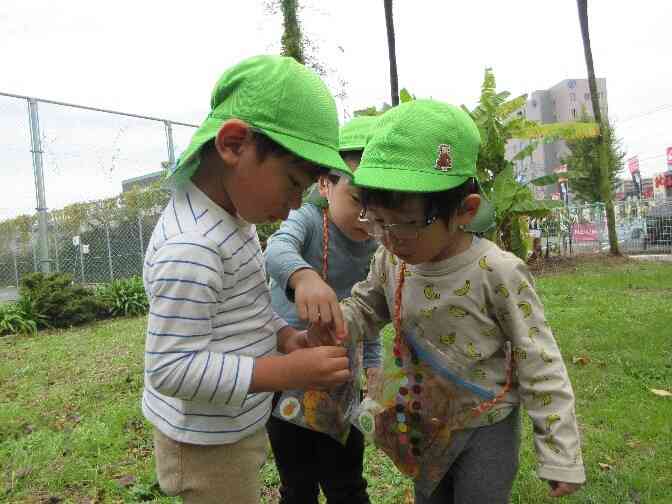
(210, 317)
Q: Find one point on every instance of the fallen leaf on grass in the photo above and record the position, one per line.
(634, 496)
(661, 393)
(580, 360)
(126, 481)
(605, 467)
(23, 472)
(408, 497)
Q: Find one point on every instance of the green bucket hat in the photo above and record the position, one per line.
(356, 132)
(283, 100)
(420, 146)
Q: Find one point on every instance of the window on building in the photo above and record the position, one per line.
(572, 97)
(586, 96)
(572, 113)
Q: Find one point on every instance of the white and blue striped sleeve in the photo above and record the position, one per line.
(185, 284)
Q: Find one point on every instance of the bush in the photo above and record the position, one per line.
(58, 301)
(123, 298)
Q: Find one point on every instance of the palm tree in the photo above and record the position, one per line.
(394, 80)
(605, 186)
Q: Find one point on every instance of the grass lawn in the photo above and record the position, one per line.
(71, 429)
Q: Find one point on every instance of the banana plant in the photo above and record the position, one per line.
(497, 121)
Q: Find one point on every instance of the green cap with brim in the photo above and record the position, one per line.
(278, 97)
(420, 146)
(355, 133)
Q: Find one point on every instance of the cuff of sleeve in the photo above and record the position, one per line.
(278, 323)
(372, 363)
(573, 474)
(288, 270)
(245, 370)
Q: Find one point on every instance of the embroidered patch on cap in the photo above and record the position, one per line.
(444, 158)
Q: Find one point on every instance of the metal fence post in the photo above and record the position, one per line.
(109, 250)
(142, 242)
(169, 144)
(16, 266)
(36, 149)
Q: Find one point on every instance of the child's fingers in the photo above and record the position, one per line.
(302, 310)
(339, 324)
(313, 313)
(325, 313)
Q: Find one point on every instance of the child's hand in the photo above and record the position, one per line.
(561, 488)
(324, 334)
(289, 339)
(373, 374)
(315, 300)
(320, 368)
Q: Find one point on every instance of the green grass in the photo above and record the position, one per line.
(70, 425)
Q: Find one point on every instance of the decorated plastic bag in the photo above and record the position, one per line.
(415, 409)
(330, 412)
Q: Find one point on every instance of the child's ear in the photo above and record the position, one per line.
(323, 185)
(468, 210)
(231, 139)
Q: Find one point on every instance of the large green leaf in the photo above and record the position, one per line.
(525, 152)
(504, 191)
(518, 241)
(405, 96)
(508, 108)
(545, 180)
(525, 129)
(535, 208)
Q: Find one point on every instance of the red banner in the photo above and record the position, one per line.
(584, 232)
(633, 164)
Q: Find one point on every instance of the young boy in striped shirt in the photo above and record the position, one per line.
(211, 360)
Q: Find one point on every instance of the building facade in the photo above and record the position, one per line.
(566, 101)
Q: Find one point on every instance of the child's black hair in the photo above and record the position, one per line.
(265, 147)
(349, 156)
(442, 204)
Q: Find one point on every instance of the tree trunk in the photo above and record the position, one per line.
(605, 186)
(291, 37)
(394, 80)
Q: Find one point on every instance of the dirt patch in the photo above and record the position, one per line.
(554, 265)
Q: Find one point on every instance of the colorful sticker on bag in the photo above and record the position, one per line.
(290, 408)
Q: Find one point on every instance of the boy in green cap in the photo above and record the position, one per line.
(313, 260)
(458, 303)
(211, 360)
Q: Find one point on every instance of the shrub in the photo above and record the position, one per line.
(123, 297)
(58, 301)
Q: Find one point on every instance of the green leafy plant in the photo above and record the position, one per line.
(59, 301)
(14, 320)
(123, 298)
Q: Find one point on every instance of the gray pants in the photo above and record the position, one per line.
(485, 467)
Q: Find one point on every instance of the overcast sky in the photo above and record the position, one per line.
(162, 59)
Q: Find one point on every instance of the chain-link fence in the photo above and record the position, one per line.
(80, 188)
(642, 227)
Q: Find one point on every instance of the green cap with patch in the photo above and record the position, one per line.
(420, 146)
(356, 132)
(279, 97)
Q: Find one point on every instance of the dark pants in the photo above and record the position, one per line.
(307, 460)
(485, 468)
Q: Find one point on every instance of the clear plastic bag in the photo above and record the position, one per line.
(414, 410)
(330, 412)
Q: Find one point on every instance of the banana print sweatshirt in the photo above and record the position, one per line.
(470, 305)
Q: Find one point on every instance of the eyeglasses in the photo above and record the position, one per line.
(402, 232)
